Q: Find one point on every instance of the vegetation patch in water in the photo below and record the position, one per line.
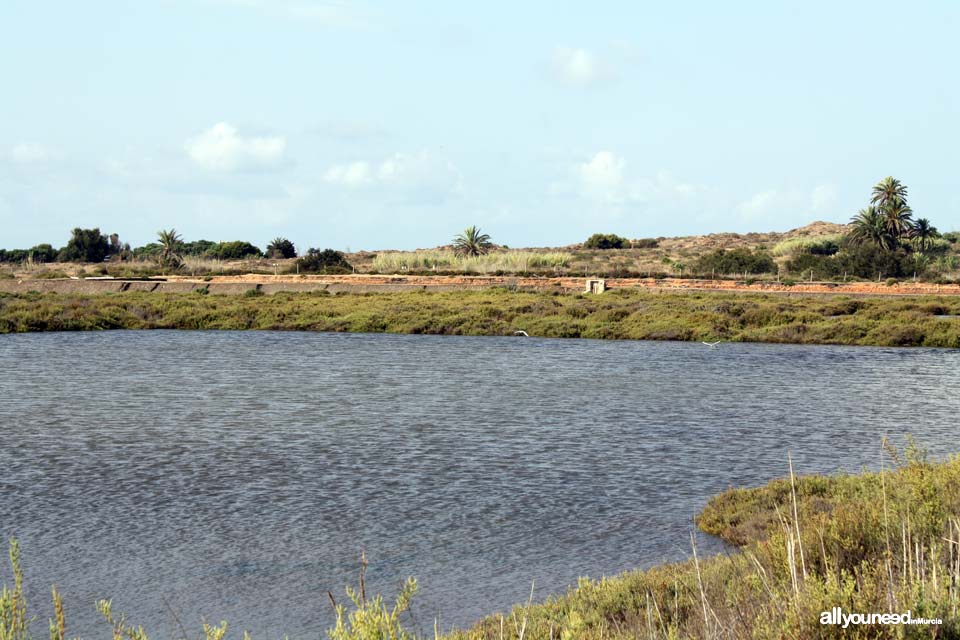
(617, 314)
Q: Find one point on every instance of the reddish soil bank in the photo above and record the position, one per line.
(359, 283)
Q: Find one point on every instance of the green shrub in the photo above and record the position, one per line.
(951, 236)
(823, 245)
(823, 266)
(606, 241)
(326, 261)
(235, 250)
(734, 261)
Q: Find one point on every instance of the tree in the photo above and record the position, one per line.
(85, 245)
(888, 191)
(472, 243)
(898, 218)
(326, 261)
(42, 253)
(605, 241)
(281, 248)
(170, 245)
(889, 196)
(235, 250)
(869, 227)
(922, 232)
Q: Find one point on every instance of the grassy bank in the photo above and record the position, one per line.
(886, 542)
(618, 314)
(867, 543)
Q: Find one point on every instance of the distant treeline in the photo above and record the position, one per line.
(90, 245)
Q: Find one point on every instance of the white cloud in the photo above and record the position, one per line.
(222, 148)
(400, 171)
(761, 204)
(579, 67)
(31, 153)
(602, 175)
(824, 197)
(789, 204)
(353, 174)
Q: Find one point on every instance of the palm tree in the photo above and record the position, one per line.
(869, 227)
(898, 218)
(170, 242)
(887, 191)
(890, 197)
(922, 232)
(472, 243)
(281, 248)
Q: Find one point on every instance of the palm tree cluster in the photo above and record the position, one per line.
(888, 222)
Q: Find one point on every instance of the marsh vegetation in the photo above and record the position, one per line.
(618, 314)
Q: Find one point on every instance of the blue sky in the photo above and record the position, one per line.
(374, 125)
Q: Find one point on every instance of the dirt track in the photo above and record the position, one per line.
(370, 284)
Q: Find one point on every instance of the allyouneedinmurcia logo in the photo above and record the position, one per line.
(836, 616)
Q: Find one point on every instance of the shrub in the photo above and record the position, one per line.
(606, 241)
(823, 245)
(869, 262)
(236, 250)
(326, 261)
(823, 267)
(951, 236)
(645, 243)
(739, 260)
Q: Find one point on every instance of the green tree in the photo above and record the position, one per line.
(869, 227)
(170, 245)
(888, 191)
(281, 248)
(234, 250)
(898, 218)
(923, 232)
(42, 253)
(606, 241)
(889, 196)
(472, 243)
(326, 261)
(85, 245)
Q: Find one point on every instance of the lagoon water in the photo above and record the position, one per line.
(229, 475)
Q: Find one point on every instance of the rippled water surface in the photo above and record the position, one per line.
(237, 476)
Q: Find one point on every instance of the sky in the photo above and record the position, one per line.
(373, 125)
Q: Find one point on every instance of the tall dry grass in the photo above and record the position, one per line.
(448, 261)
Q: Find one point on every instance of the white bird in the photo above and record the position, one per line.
(712, 345)
(521, 333)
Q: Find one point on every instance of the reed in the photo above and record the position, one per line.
(448, 261)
